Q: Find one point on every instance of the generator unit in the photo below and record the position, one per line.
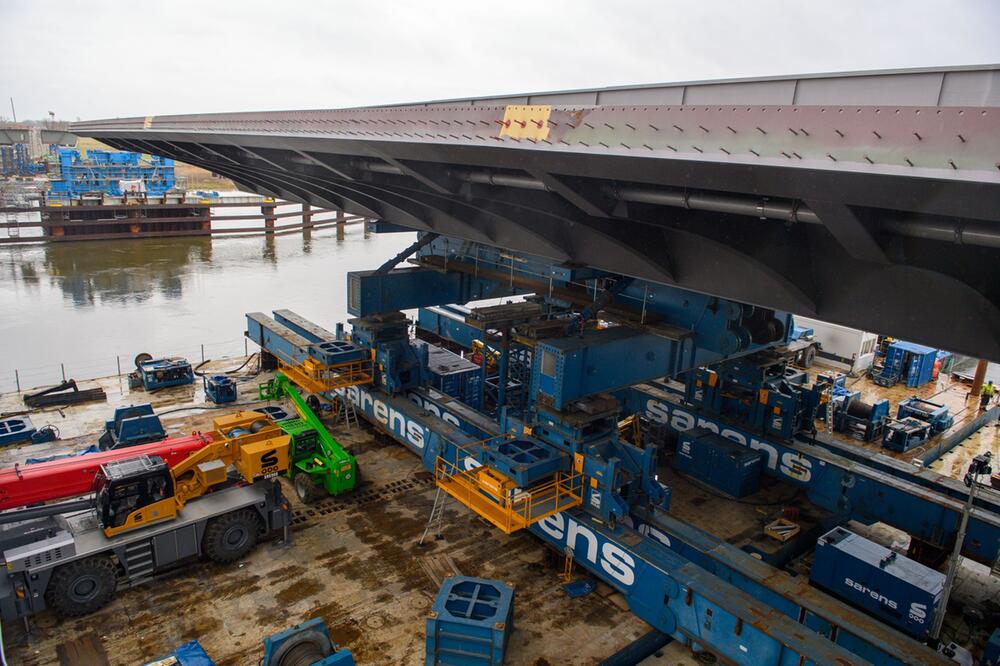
(904, 434)
(152, 374)
(719, 462)
(470, 623)
(877, 580)
(932, 413)
(131, 426)
(220, 389)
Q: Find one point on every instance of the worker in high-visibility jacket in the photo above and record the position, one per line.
(986, 394)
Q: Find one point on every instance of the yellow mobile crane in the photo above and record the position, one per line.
(136, 492)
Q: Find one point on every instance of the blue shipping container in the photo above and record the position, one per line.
(719, 462)
(873, 578)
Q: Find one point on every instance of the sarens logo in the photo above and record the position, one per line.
(874, 594)
(434, 409)
(918, 612)
(789, 463)
(589, 545)
(269, 464)
(405, 429)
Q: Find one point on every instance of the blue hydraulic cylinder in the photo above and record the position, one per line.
(896, 589)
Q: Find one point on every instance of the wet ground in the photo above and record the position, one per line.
(354, 562)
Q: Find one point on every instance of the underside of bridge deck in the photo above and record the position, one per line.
(870, 200)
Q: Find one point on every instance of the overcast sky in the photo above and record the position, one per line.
(100, 58)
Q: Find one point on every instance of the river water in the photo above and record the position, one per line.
(83, 307)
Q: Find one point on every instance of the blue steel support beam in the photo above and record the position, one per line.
(838, 484)
(304, 327)
(291, 348)
(663, 588)
(370, 292)
(790, 595)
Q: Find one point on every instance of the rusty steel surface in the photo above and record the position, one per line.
(867, 199)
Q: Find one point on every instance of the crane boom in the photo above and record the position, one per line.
(139, 491)
(318, 461)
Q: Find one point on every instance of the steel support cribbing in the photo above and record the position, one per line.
(789, 595)
(865, 199)
(663, 588)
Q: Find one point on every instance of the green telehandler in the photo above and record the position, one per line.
(318, 464)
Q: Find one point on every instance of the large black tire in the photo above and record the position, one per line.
(231, 536)
(307, 490)
(304, 649)
(81, 587)
(808, 356)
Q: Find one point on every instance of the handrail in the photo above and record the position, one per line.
(496, 497)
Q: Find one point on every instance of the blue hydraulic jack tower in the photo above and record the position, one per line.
(595, 347)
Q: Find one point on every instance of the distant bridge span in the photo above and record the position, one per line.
(869, 199)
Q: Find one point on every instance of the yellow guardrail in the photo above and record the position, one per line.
(317, 378)
(496, 497)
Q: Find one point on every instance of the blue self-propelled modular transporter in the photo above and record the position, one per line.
(544, 451)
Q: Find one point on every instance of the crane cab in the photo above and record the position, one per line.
(134, 492)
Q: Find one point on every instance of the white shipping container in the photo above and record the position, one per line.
(842, 347)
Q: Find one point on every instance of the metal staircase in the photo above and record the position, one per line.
(347, 413)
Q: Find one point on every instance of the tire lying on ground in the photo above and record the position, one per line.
(231, 536)
(82, 587)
